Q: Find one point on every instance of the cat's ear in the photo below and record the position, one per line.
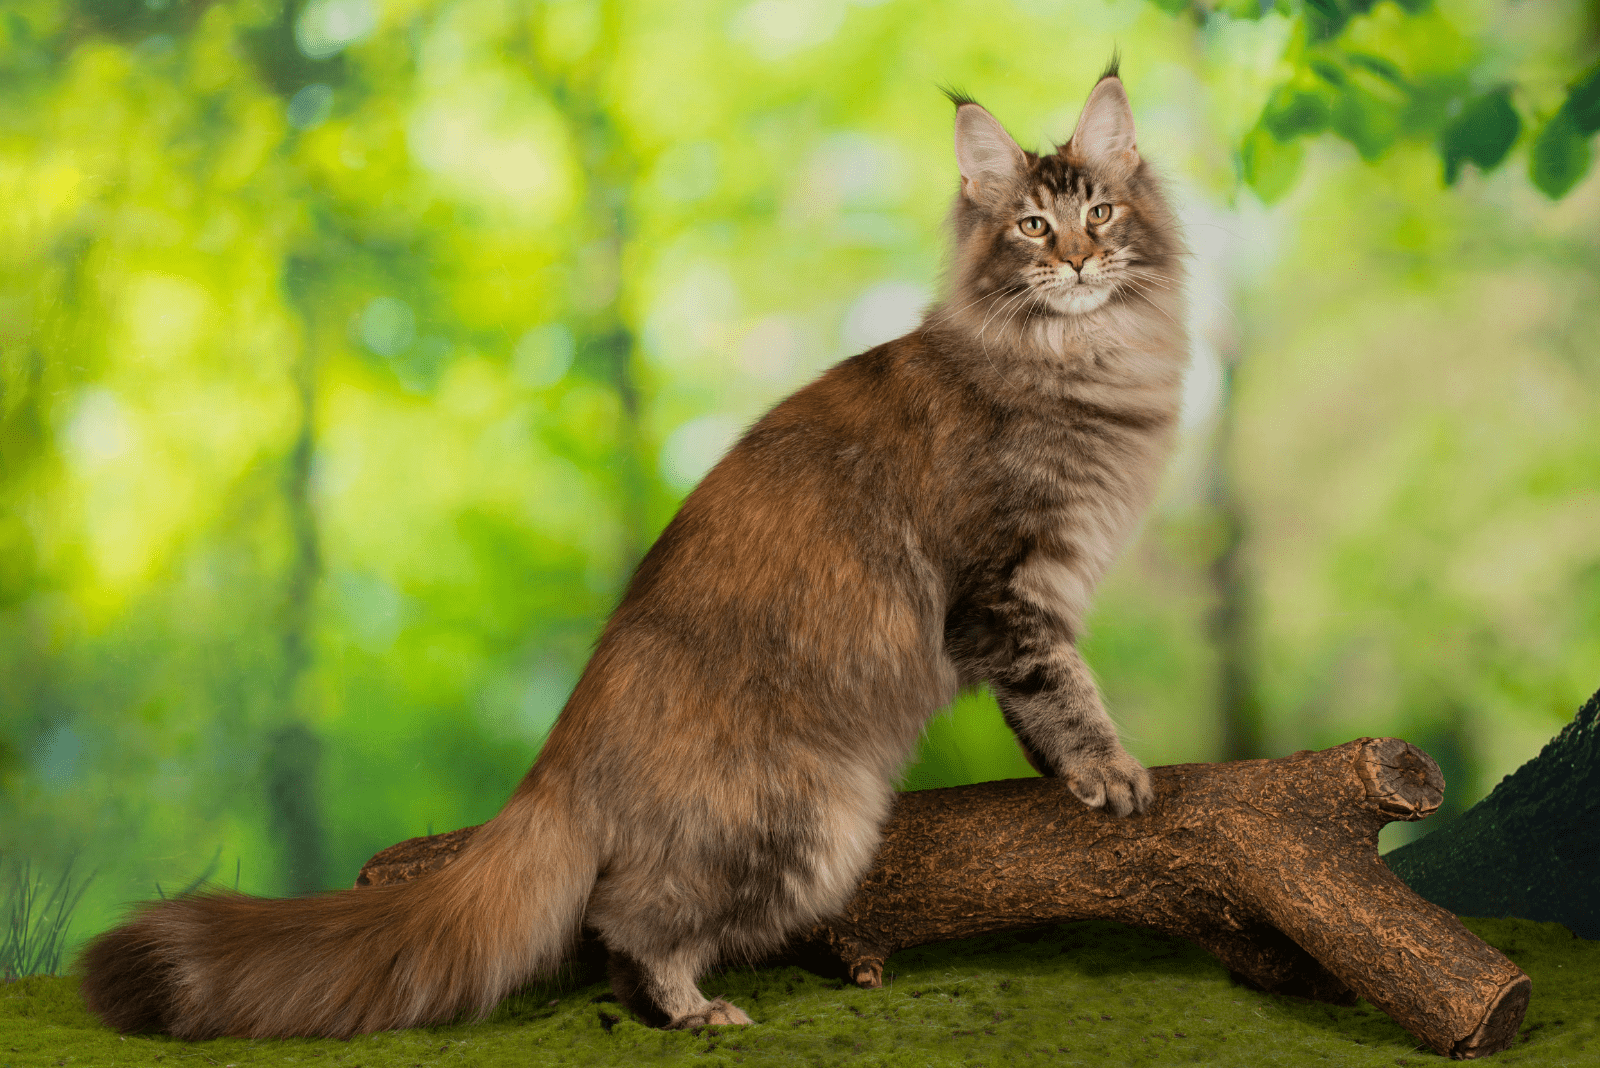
(986, 154)
(1104, 136)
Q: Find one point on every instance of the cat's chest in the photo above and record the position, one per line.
(1109, 437)
(1115, 395)
(1081, 469)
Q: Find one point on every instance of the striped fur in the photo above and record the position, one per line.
(933, 513)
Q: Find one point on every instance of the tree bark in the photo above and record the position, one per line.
(1271, 865)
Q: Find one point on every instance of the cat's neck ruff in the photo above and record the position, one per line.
(1140, 325)
(1153, 329)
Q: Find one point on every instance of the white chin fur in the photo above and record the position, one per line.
(1079, 299)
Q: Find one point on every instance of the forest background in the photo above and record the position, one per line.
(352, 352)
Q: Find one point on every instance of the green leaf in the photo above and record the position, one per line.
(1243, 9)
(1383, 68)
(1268, 164)
(1560, 155)
(1325, 18)
(1583, 101)
(1431, 98)
(1482, 134)
(1292, 113)
(1365, 121)
(1329, 72)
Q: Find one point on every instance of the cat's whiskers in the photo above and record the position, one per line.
(1021, 308)
(945, 318)
(1020, 301)
(1000, 306)
(1176, 228)
(1155, 280)
(1128, 264)
(983, 341)
(1168, 283)
(1150, 299)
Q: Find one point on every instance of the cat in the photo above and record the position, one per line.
(928, 515)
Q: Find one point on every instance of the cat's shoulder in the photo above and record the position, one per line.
(879, 373)
(888, 384)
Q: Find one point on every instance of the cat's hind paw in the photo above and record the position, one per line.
(715, 1014)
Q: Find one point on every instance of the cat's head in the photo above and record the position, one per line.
(1062, 234)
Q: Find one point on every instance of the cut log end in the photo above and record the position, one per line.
(1403, 782)
(1499, 1027)
(868, 974)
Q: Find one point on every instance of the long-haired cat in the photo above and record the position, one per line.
(929, 514)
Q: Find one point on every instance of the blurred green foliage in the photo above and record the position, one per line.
(1374, 73)
(351, 351)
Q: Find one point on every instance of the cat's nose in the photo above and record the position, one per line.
(1077, 261)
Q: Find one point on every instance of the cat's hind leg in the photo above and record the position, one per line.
(662, 991)
(670, 907)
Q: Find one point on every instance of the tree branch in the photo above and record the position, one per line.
(1271, 865)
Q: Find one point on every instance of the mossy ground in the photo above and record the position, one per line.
(1085, 993)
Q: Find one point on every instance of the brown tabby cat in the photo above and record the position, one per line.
(928, 515)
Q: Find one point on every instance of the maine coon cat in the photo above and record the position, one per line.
(931, 514)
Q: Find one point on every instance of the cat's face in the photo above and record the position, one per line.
(1060, 234)
(1068, 237)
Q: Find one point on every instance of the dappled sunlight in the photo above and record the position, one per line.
(489, 134)
(401, 473)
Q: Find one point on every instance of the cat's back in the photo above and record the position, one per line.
(875, 405)
(844, 455)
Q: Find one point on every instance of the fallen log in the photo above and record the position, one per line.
(1271, 865)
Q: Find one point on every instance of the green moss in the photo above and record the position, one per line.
(1085, 993)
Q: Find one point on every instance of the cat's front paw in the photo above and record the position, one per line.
(1115, 782)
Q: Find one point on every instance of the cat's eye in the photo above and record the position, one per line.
(1100, 213)
(1033, 226)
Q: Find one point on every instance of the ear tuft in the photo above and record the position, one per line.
(1112, 66)
(1105, 129)
(956, 96)
(985, 153)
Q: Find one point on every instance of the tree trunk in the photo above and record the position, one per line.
(292, 764)
(1271, 865)
(1231, 623)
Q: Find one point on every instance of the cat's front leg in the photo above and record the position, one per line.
(1050, 700)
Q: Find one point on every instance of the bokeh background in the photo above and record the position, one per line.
(352, 352)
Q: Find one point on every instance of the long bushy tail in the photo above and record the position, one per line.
(451, 943)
